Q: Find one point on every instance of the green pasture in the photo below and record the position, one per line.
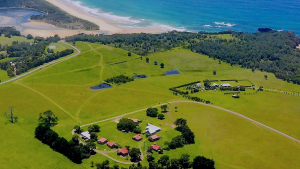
(232, 142)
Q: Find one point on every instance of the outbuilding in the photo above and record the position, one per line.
(111, 144)
(154, 137)
(151, 129)
(122, 151)
(155, 147)
(137, 137)
(85, 135)
(102, 140)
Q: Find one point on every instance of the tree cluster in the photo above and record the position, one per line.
(71, 149)
(31, 55)
(128, 126)
(121, 79)
(52, 14)
(152, 112)
(186, 137)
(9, 31)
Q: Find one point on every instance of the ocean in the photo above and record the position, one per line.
(197, 15)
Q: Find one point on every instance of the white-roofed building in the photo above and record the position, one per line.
(85, 135)
(151, 129)
(215, 85)
(225, 85)
(199, 85)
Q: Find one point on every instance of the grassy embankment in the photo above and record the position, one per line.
(65, 89)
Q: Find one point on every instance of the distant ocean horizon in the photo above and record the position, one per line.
(197, 15)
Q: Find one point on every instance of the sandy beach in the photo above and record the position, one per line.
(104, 26)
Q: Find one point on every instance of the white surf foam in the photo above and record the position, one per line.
(123, 21)
(224, 24)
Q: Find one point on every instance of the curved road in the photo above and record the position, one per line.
(45, 65)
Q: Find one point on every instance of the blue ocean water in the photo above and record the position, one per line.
(198, 15)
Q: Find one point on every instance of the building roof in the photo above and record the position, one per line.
(122, 151)
(86, 134)
(155, 147)
(152, 129)
(225, 85)
(214, 84)
(137, 137)
(134, 120)
(102, 140)
(110, 144)
(154, 137)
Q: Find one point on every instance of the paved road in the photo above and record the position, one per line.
(45, 65)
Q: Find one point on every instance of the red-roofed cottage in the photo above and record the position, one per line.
(102, 140)
(154, 137)
(111, 144)
(122, 151)
(155, 147)
(134, 120)
(137, 137)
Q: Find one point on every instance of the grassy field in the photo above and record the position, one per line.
(64, 88)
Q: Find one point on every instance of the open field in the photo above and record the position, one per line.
(64, 88)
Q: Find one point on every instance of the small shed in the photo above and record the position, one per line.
(137, 137)
(155, 147)
(122, 151)
(225, 85)
(111, 144)
(85, 135)
(154, 137)
(102, 140)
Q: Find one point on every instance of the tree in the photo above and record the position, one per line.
(188, 135)
(137, 130)
(219, 62)
(92, 163)
(116, 166)
(152, 112)
(77, 129)
(164, 108)
(162, 65)
(161, 116)
(155, 63)
(48, 118)
(180, 122)
(164, 160)
(94, 136)
(147, 59)
(129, 53)
(11, 114)
(127, 147)
(202, 162)
(29, 36)
(94, 128)
(135, 154)
(127, 125)
(266, 77)
(214, 72)
(150, 158)
(175, 164)
(184, 161)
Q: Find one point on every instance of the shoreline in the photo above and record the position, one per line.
(103, 24)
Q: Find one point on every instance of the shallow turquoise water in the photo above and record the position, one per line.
(198, 15)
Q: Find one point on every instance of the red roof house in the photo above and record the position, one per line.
(137, 137)
(135, 120)
(155, 147)
(154, 137)
(102, 140)
(111, 144)
(122, 151)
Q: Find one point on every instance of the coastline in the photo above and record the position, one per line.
(103, 24)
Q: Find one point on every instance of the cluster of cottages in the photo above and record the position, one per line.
(150, 129)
